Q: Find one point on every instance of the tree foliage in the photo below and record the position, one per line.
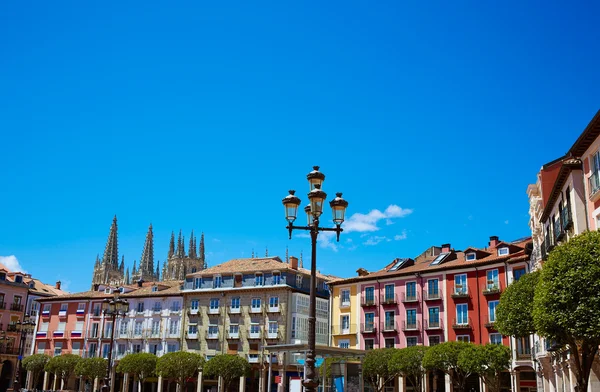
(140, 365)
(376, 367)
(35, 364)
(444, 357)
(63, 366)
(487, 361)
(408, 362)
(566, 306)
(514, 315)
(228, 366)
(179, 366)
(91, 368)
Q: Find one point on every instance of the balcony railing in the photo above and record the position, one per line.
(11, 328)
(343, 329)
(544, 252)
(212, 334)
(432, 295)
(16, 307)
(460, 292)
(234, 310)
(2, 305)
(252, 358)
(388, 299)
(273, 335)
(273, 309)
(492, 288)
(566, 218)
(463, 323)
(410, 297)
(411, 325)
(435, 324)
(558, 230)
(368, 328)
(594, 184)
(254, 334)
(367, 301)
(523, 356)
(256, 309)
(489, 323)
(156, 310)
(191, 335)
(233, 335)
(388, 326)
(213, 310)
(549, 240)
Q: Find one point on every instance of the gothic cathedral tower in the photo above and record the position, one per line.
(108, 271)
(178, 263)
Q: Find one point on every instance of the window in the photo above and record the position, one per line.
(174, 327)
(192, 329)
(76, 346)
(213, 331)
(175, 306)
(154, 289)
(517, 273)
(495, 338)
(255, 305)
(492, 305)
(369, 322)
(369, 295)
(411, 341)
(273, 327)
(345, 321)
(411, 291)
(235, 303)
(434, 340)
(523, 346)
(197, 283)
(214, 305)
(171, 347)
(492, 280)
(155, 328)
(45, 309)
(434, 317)
(105, 350)
(154, 348)
(57, 348)
(276, 278)
(259, 279)
(217, 281)
(81, 308)
(274, 303)
(389, 321)
(140, 307)
(369, 344)
(389, 292)
(94, 332)
(92, 352)
(61, 327)
(411, 318)
(157, 306)
(463, 338)
(471, 256)
(123, 327)
(502, 251)
(433, 288)
(460, 284)
(462, 314)
(79, 326)
(299, 281)
(138, 328)
(390, 343)
(136, 348)
(62, 311)
(345, 298)
(194, 304)
(234, 330)
(2, 276)
(121, 348)
(344, 343)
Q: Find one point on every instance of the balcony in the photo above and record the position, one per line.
(411, 325)
(11, 328)
(558, 231)
(492, 288)
(252, 358)
(96, 312)
(255, 309)
(389, 326)
(389, 299)
(566, 218)
(594, 186)
(254, 334)
(460, 292)
(156, 310)
(433, 325)
(367, 301)
(233, 334)
(193, 311)
(432, 295)
(61, 313)
(212, 335)
(191, 335)
(273, 335)
(349, 329)
(463, 323)
(523, 356)
(273, 309)
(213, 310)
(16, 307)
(489, 323)
(234, 310)
(412, 297)
(368, 328)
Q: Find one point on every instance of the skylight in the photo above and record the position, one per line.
(398, 264)
(441, 257)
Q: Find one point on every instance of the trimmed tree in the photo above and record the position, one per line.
(514, 314)
(140, 365)
(488, 361)
(179, 366)
(376, 367)
(444, 357)
(63, 366)
(408, 362)
(228, 366)
(566, 306)
(91, 368)
(35, 365)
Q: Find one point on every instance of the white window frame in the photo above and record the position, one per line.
(434, 336)
(213, 307)
(416, 339)
(344, 304)
(259, 279)
(344, 343)
(461, 338)
(495, 335)
(345, 328)
(503, 251)
(466, 321)
(274, 304)
(471, 256)
(458, 289)
(217, 281)
(492, 312)
(255, 305)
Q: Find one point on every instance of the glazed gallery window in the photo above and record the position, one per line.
(369, 321)
(389, 292)
(460, 284)
(345, 321)
(411, 291)
(434, 317)
(492, 305)
(370, 295)
(433, 288)
(495, 338)
(462, 314)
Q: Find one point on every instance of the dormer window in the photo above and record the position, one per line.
(18, 279)
(2, 276)
(107, 290)
(471, 256)
(121, 289)
(259, 279)
(217, 281)
(154, 289)
(502, 251)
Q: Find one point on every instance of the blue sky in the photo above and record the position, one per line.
(202, 116)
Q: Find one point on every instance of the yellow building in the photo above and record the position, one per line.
(345, 314)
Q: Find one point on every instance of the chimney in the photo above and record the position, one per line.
(293, 262)
(493, 241)
(362, 272)
(445, 248)
(140, 282)
(57, 285)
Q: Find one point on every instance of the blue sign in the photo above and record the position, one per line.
(20, 357)
(318, 362)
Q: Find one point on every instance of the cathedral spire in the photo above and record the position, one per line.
(172, 245)
(252, 253)
(111, 252)
(192, 247)
(180, 252)
(301, 265)
(122, 266)
(157, 274)
(97, 261)
(266, 251)
(201, 250)
(147, 260)
(127, 276)
(134, 271)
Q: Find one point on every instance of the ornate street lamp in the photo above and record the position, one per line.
(112, 307)
(23, 328)
(316, 198)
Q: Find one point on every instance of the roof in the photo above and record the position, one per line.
(165, 289)
(587, 137)
(257, 264)
(457, 260)
(43, 289)
(567, 165)
(548, 176)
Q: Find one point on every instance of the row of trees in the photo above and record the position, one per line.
(176, 367)
(457, 359)
(560, 302)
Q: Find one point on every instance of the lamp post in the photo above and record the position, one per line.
(23, 328)
(316, 198)
(112, 307)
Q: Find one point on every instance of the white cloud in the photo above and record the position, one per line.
(368, 222)
(12, 263)
(506, 222)
(374, 240)
(470, 217)
(401, 236)
(348, 240)
(216, 240)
